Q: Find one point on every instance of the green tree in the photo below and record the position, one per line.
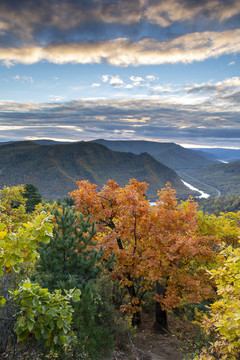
(72, 260)
(33, 197)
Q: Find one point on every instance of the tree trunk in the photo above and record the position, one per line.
(161, 323)
(136, 319)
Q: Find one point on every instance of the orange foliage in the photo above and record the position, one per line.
(151, 243)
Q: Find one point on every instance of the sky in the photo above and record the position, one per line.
(156, 70)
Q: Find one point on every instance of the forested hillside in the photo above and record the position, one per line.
(224, 177)
(221, 204)
(55, 169)
(170, 154)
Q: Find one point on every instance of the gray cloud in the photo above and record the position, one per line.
(125, 119)
(38, 24)
(28, 18)
(220, 86)
(165, 13)
(233, 98)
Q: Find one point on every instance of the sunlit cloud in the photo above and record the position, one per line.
(137, 80)
(105, 78)
(56, 98)
(122, 52)
(151, 77)
(12, 127)
(220, 86)
(32, 138)
(115, 80)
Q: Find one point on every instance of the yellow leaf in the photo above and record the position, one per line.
(3, 234)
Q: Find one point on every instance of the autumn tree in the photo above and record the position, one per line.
(178, 255)
(154, 246)
(20, 234)
(13, 206)
(223, 321)
(225, 226)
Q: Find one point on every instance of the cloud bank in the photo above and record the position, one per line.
(125, 119)
(121, 52)
(121, 33)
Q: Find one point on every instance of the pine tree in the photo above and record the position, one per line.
(33, 197)
(72, 260)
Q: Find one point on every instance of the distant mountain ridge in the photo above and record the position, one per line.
(169, 154)
(224, 154)
(55, 169)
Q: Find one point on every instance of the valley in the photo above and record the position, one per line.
(55, 167)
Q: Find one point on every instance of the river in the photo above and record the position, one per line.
(202, 195)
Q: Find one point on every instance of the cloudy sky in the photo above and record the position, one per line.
(121, 69)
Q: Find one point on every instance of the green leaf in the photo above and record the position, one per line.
(60, 323)
(76, 295)
(2, 301)
(62, 339)
(22, 321)
(30, 325)
(27, 285)
(55, 339)
(23, 335)
(52, 312)
(35, 302)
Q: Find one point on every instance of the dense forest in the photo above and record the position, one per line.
(79, 275)
(221, 204)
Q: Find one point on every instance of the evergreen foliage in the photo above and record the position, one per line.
(72, 260)
(66, 200)
(33, 197)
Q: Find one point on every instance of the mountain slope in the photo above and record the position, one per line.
(169, 154)
(55, 169)
(225, 177)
